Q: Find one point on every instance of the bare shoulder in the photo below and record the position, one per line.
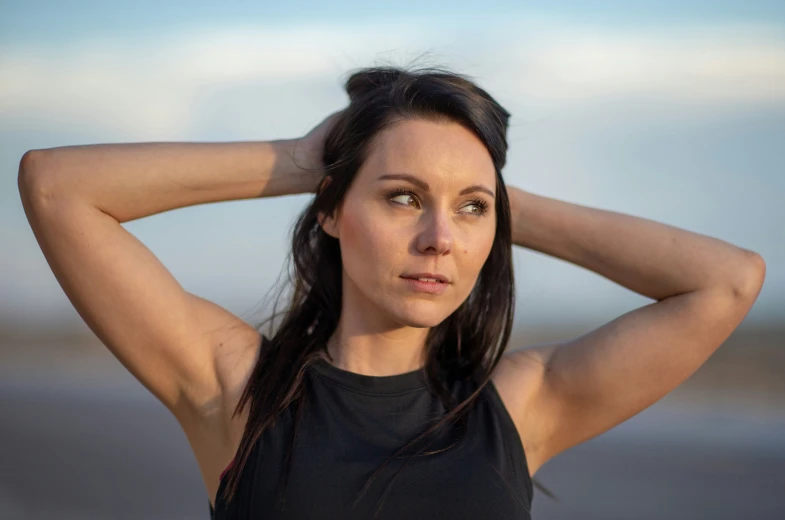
(517, 378)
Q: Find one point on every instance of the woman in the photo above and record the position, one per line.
(386, 390)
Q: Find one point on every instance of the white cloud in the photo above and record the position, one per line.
(696, 64)
(153, 87)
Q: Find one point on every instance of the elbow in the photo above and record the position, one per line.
(751, 276)
(31, 162)
(33, 179)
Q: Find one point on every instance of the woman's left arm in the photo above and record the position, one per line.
(577, 389)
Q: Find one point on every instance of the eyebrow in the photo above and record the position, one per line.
(424, 185)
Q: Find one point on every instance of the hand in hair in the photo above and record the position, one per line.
(311, 145)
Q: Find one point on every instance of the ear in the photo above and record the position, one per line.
(322, 185)
(329, 225)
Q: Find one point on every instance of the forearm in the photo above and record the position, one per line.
(648, 257)
(133, 180)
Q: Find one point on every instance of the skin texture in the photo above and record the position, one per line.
(384, 235)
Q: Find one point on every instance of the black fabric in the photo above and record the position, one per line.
(351, 423)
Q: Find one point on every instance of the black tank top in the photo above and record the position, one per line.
(351, 424)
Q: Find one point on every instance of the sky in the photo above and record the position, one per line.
(672, 111)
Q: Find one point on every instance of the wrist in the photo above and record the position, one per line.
(297, 166)
(521, 202)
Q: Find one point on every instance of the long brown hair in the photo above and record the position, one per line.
(468, 343)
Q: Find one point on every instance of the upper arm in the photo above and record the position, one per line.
(165, 336)
(562, 394)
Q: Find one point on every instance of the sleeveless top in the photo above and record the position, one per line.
(351, 423)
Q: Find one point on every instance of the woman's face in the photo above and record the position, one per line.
(423, 202)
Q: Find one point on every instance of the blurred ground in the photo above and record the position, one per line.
(80, 438)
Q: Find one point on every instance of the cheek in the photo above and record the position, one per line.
(475, 247)
(471, 257)
(366, 245)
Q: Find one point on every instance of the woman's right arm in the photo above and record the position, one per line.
(76, 197)
(128, 181)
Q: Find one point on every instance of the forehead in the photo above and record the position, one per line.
(442, 152)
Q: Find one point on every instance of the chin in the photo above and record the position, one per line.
(422, 315)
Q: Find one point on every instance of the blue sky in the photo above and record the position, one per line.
(52, 21)
(668, 111)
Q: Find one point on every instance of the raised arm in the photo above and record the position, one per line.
(563, 394)
(76, 197)
(128, 181)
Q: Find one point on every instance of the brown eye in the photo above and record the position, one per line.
(481, 207)
(402, 194)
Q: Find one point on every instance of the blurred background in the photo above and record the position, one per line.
(672, 111)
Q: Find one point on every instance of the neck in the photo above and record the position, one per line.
(391, 353)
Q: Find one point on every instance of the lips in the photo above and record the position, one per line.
(426, 284)
(426, 276)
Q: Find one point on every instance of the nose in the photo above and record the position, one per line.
(437, 237)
